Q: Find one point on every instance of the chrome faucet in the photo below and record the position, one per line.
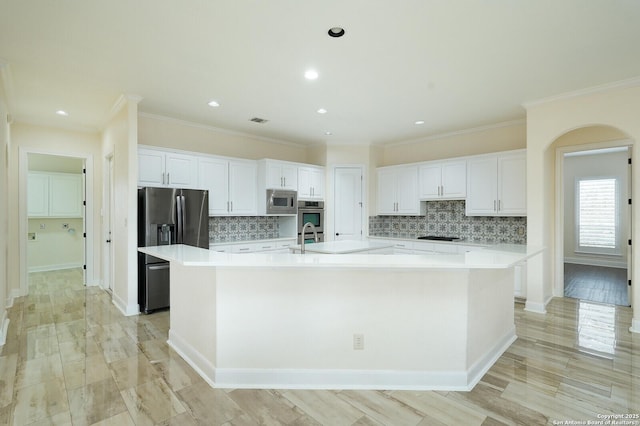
(304, 230)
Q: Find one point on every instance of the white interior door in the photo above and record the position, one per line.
(348, 205)
(630, 230)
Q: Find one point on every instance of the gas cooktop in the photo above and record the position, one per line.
(435, 238)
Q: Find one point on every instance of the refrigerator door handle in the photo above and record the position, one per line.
(180, 218)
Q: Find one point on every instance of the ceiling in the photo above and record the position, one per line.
(455, 64)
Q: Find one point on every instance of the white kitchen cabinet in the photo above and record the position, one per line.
(310, 183)
(38, 195)
(166, 168)
(65, 195)
(54, 194)
(443, 180)
(231, 185)
(496, 185)
(278, 174)
(398, 191)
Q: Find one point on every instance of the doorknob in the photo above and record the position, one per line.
(337, 234)
(108, 241)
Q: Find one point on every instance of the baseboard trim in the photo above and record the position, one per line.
(282, 378)
(203, 367)
(538, 308)
(596, 262)
(127, 310)
(47, 268)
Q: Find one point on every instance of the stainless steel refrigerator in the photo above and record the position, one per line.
(167, 216)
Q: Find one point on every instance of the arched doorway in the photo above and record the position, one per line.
(592, 270)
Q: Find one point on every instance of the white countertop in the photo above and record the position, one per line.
(344, 246)
(499, 256)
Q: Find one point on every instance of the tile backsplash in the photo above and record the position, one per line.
(447, 218)
(242, 228)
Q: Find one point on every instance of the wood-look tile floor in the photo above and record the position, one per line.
(596, 283)
(72, 358)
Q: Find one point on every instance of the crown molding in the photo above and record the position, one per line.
(118, 105)
(615, 85)
(510, 123)
(219, 129)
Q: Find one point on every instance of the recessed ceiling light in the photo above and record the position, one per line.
(328, 133)
(311, 74)
(213, 104)
(420, 122)
(322, 111)
(62, 113)
(336, 32)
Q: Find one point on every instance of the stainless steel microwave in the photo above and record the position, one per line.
(281, 201)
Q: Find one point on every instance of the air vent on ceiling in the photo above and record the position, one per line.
(258, 120)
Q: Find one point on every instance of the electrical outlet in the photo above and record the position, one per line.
(358, 342)
(43, 226)
(65, 226)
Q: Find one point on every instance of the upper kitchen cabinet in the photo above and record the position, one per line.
(310, 183)
(232, 185)
(166, 168)
(278, 174)
(398, 191)
(54, 195)
(496, 185)
(443, 180)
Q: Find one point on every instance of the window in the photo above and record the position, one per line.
(598, 215)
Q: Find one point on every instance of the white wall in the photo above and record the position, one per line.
(4, 206)
(612, 165)
(119, 140)
(177, 134)
(500, 137)
(547, 120)
(55, 247)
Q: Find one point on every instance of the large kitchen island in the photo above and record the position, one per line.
(347, 321)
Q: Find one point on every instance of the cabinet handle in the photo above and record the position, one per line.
(494, 206)
(228, 206)
(168, 178)
(232, 206)
(285, 181)
(499, 205)
(163, 182)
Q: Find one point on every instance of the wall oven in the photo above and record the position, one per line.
(280, 201)
(311, 211)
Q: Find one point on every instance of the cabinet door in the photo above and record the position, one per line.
(304, 183)
(407, 191)
(482, 192)
(512, 185)
(290, 176)
(213, 176)
(65, 195)
(182, 170)
(274, 176)
(243, 179)
(317, 183)
(454, 180)
(151, 165)
(37, 195)
(430, 181)
(387, 191)
(310, 183)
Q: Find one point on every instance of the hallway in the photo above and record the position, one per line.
(72, 358)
